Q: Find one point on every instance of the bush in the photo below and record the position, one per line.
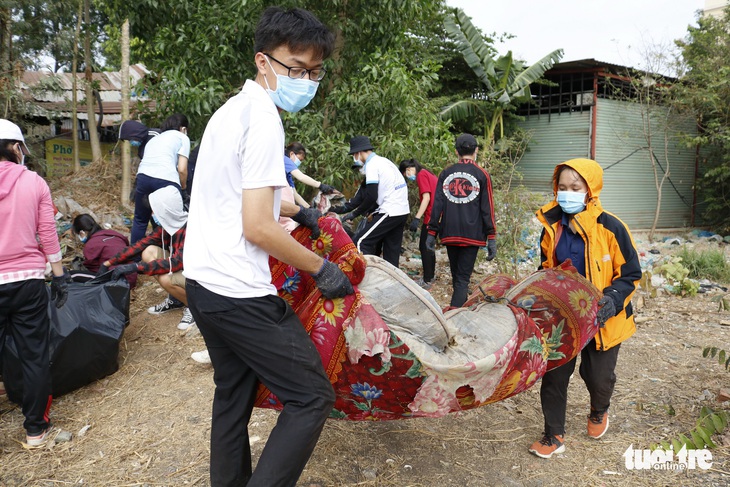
(706, 264)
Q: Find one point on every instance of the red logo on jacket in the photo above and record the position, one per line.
(461, 187)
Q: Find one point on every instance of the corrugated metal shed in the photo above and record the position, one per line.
(555, 138)
(590, 109)
(622, 150)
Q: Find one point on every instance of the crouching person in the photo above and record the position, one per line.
(162, 250)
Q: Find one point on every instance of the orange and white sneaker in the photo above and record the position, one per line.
(548, 445)
(597, 423)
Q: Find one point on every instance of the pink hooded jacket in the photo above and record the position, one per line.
(28, 235)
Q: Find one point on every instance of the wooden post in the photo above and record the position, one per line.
(74, 88)
(126, 158)
(88, 60)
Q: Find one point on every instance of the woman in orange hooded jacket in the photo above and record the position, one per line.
(600, 246)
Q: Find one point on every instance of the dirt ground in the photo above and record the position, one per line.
(149, 423)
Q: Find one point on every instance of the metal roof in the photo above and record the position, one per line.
(107, 81)
(59, 104)
(594, 65)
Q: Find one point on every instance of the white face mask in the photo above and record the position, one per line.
(571, 202)
(291, 95)
(22, 155)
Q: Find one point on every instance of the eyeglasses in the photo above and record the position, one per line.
(299, 73)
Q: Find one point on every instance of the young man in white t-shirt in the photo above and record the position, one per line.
(251, 334)
(386, 187)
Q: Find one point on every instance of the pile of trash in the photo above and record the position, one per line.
(663, 270)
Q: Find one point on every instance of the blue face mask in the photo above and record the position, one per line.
(83, 239)
(154, 219)
(411, 177)
(295, 160)
(572, 202)
(135, 143)
(291, 94)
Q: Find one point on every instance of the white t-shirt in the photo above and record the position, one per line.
(242, 148)
(392, 188)
(160, 155)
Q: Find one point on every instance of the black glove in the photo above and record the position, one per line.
(326, 188)
(414, 225)
(309, 217)
(102, 270)
(332, 282)
(349, 217)
(491, 249)
(123, 270)
(431, 243)
(59, 289)
(606, 310)
(338, 209)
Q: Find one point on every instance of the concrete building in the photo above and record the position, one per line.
(715, 8)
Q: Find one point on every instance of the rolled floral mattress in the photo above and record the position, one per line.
(390, 352)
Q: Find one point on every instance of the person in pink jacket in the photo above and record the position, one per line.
(28, 240)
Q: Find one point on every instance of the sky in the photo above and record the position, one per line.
(613, 31)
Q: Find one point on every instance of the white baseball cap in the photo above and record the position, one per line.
(10, 131)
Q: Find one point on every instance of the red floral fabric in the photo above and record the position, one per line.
(377, 377)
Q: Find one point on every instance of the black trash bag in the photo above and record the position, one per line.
(84, 337)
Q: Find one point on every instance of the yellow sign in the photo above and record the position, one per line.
(60, 158)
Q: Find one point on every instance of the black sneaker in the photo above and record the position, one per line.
(425, 284)
(164, 307)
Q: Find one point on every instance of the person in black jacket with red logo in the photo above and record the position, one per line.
(463, 216)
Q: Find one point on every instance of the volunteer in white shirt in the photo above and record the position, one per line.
(165, 163)
(385, 186)
(251, 333)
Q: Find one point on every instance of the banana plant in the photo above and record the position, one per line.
(505, 81)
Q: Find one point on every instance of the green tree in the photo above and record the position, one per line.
(705, 90)
(196, 59)
(504, 82)
(197, 63)
(43, 33)
(389, 102)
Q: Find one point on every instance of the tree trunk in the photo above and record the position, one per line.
(6, 41)
(93, 135)
(74, 90)
(646, 115)
(329, 111)
(6, 58)
(665, 176)
(126, 158)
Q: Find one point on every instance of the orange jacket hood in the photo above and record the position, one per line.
(588, 169)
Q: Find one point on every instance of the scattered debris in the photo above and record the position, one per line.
(723, 395)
